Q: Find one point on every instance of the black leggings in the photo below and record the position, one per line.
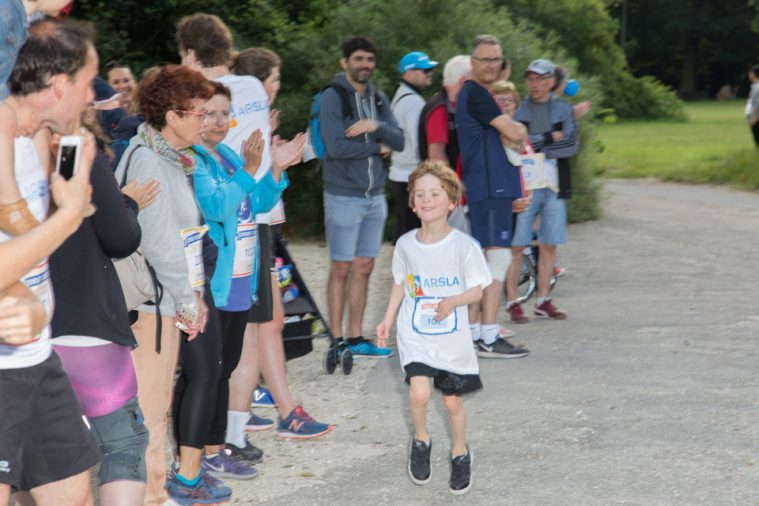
(201, 393)
(196, 388)
(232, 328)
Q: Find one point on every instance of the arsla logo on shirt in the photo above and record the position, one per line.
(5, 466)
(414, 286)
(417, 285)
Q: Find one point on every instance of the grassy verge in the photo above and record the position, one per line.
(713, 146)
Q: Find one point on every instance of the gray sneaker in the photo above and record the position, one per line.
(501, 348)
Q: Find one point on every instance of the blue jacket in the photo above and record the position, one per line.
(486, 170)
(219, 197)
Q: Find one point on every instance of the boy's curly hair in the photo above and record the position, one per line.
(448, 180)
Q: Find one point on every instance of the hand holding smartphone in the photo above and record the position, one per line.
(70, 149)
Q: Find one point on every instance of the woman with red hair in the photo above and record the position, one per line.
(172, 101)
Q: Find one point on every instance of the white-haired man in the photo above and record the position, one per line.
(437, 125)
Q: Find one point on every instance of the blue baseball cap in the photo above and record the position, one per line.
(416, 60)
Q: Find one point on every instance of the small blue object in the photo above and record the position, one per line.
(290, 293)
(416, 60)
(262, 399)
(571, 88)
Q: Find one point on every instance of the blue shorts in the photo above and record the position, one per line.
(123, 439)
(553, 219)
(354, 226)
(490, 221)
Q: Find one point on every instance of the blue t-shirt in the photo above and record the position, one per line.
(486, 171)
(240, 290)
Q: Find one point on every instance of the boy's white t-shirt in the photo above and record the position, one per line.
(33, 185)
(249, 111)
(430, 272)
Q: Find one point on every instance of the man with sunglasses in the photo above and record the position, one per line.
(416, 75)
(492, 184)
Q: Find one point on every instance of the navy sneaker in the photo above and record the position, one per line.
(248, 453)
(461, 473)
(224, 465)
(256, 422)
(300, 425)
(262, 399)
(368, 349)
(201, 493)
(419, 462)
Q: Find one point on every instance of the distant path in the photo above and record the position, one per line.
(646, 395)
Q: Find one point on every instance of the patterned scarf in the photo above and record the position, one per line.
(158, 144)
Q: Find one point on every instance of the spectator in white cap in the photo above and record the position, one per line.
(416, 75)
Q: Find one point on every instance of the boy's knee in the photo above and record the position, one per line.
(453, 403)
(419, 392)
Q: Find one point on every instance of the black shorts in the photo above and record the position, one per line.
(447, 382)
(263, 310)
(43, 435)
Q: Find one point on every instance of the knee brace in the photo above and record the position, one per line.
(498, 262)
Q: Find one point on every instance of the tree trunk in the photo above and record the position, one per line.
(690, 65)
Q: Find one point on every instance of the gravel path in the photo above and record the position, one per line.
(645, 395)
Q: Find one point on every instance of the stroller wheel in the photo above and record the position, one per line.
(346, 362)
(328, 361)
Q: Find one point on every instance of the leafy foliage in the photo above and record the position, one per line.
(307, 35)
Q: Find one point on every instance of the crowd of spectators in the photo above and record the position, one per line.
(180, 181)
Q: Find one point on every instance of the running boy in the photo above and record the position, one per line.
(438, 271)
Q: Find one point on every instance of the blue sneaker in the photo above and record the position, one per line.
(201, 493)
(256, 422)
(224, 465)
(368, 349)
(262, 399)
(300, 425)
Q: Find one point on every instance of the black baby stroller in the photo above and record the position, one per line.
(304, 322)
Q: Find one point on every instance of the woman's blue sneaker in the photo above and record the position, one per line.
(262, 399)
(368, 349)
(200, 493)
(224, 465)
(300, 425)
(256, 423)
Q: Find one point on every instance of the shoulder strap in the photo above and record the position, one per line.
(345, 100)
(395, 102)
(126, 166)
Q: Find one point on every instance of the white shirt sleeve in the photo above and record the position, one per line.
(400, 268)
(476, 272)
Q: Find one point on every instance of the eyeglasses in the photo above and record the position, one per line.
(505, 100)
(217, 115)
(489, 61)
(536, 79)
(203, 114)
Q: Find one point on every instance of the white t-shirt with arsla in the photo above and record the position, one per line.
(429, 273)
(249, 111)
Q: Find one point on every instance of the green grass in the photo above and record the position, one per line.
(713, 146)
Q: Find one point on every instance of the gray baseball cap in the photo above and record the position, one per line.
(541, 67)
